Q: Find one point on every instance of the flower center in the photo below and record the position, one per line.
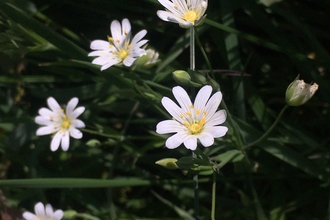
(196, 127)
(191, 16)
(66, 122)
(122, 54)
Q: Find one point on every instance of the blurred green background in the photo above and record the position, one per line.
(256, 50)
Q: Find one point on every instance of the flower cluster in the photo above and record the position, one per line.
(59, 123)
(43, 213)
(193, 121)
(120, 48)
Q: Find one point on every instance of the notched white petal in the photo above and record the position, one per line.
(29, 216)
(53, 105)
(168, 126)
(190, 142)
(75, 133)
(206, 139)
(65, 142)
(56, 141)
(45, 130)
(174, 141)
(58, 214)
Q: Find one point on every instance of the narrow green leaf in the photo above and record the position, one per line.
(54, 38)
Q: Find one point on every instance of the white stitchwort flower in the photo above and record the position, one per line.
(193, 121)
(43, 213)
(186, 13)
(119, 49)
(61, 124)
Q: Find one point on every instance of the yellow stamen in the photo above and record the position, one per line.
(196, 127)
(188, 113)
(198, 111)
(66, 122)
(191, 106)
(117, 41)
(122, 54)
(191, 16)
(110, 38)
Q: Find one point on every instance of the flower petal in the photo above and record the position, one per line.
(75, 133)
(174, 141)
(71, 106)
(218, 118)
(202, 96)
(129, 60)
(49, 210)
(126, 26)
(42, 121)
(45, 112)
(138, 37)
(169, 126)
(206, 139)
(39, 209)
(58, 215)
(77, 123)
(183, 98)
(65, 141)
(29, 216)
(45, 130)
(100, 45)
(216, 131)
(56, 141)
(53, 105)
(76, 113)
(190, 142)
(172, 108)
(213, 104)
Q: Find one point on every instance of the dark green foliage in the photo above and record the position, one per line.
(255, 52)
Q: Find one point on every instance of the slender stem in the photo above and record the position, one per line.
(213, 196)
(269, 130)
(115, 160)
(204, 53)
(192, 48)
(192, 67)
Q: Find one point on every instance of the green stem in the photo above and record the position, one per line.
(213, 196)
(115, 162)
(192, 67)
(203, 52)
(269, 130)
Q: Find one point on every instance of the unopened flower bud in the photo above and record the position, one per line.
(168, 163)
(148, 60)
(198, 77)
(298, 92)
(182, 77)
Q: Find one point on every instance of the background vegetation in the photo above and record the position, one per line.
(256, 51)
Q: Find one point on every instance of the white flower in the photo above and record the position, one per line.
(61, 124)
(186, 13)
(43, 213)
(120, 49)
(193, 121)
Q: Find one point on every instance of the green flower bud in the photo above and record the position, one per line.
(70, 214)
(182, 77)
(298, 92)
(197, 77)
(149, 60)
(168, 163)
